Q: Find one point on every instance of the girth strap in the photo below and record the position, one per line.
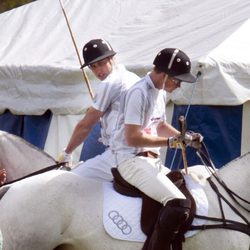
(226, 224)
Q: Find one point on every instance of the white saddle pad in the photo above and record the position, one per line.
(121, 214)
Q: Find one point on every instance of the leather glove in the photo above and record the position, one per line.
(190, 139)
(65, 157)
(174, 141)
(193, 139)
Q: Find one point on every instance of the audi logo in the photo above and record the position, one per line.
(120, 222)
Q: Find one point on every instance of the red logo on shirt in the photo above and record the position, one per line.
(147, 131)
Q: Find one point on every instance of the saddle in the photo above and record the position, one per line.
(150, 207)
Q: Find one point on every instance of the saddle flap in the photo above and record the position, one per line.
(123, 187)
(150, 207)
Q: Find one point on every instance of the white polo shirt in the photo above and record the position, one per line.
(143, 105)
(107, 98)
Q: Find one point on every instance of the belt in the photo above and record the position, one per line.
(149, 154)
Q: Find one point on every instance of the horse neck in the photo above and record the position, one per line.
(20, 158)
(236, 176)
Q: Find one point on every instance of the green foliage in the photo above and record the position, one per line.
(6, 5)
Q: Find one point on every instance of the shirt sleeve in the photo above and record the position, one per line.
(103, 97)
(135, 107)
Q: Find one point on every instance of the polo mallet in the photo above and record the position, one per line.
(77, 52)
(183, 128)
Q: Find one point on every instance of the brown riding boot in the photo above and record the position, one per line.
(170, 218)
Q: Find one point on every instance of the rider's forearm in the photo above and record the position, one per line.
(79, 135)
(83, 128)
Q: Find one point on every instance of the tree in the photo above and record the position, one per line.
(6, 5)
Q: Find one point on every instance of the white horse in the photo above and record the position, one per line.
(59, 210)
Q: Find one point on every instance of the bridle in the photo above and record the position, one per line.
(222, 222)
(59, 166)
(209, 163)
(206, 160)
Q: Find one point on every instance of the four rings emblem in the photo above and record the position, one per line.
(120, 222)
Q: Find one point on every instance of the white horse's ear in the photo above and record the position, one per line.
(3, 190)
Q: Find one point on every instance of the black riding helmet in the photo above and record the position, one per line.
(96, 50)
(175, 63)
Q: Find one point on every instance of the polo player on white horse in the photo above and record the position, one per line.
(115, 80)
(142, 130)
(133, 146)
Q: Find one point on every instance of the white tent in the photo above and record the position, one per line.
(39, 69)
(226, 71)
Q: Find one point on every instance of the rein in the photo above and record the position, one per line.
(225, 223)
(61, 165)
(231, 193)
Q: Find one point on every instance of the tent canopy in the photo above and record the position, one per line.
(39, 69)
(225, 72)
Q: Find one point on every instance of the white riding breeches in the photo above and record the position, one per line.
(149, 176)
(98, 168)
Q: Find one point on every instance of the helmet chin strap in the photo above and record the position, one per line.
(164, 81)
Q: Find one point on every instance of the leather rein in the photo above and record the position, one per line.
(222, 222)
(61, 166)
